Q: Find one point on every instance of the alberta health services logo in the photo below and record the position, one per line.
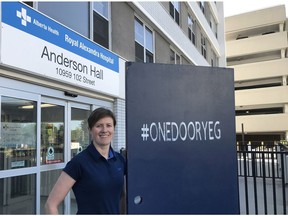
(172, 131)
(23, 16)
(25, 19)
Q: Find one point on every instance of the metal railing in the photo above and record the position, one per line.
(262, 172)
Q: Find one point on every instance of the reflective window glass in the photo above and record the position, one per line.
(101, 23)
(172, 57)
(143, 42)
(177, 59)
(139, 52)
(139, 31)
(79, 130)
(191, 31)
(73, 208)
(80, 139)
(101, 8)
(203, 46)
(18, 133)
(149, 57)
(52, 133)
(18, 195)
(174, 8)
(202, 6)
(100, 30)
(149, 39)
(48, 179)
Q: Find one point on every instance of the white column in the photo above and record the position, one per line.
(284, 80)
(283, 52)
(285, 108)
(281, 27)
(120, 130)
(286, 111)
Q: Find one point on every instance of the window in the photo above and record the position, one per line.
(260, 111)
(213, 26)
(48, 179)
(52, 133)
(203, 46)
(143, 42)
(202, 6)
(239, 37)
(174, 57)
(214, 59)
(79, 135)
(191, 32)
(174, 7)
(101, 23)
(18, 194)
(18, 134)
(30, 3)
(269, 32)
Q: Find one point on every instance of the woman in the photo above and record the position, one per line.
(96, 175)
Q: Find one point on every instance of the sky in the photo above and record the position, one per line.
(233, 7)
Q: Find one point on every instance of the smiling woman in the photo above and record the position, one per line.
(96, 175)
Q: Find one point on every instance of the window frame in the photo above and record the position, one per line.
(203, 46)
(213, 26)
(202, 6)
(146, 49)
(191, 32)
(174, 8)
(108, 18)
(175, 55)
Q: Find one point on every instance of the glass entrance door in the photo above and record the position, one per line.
(18, 133)
(38, 136)
(54, 121)
(79, 129)
(64, 134)
(79, 136)
(18, 152)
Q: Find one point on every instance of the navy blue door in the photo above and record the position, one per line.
(181, 142)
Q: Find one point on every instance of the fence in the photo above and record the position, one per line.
(262, 172)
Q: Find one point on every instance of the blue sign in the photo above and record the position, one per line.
(181, 140)
(22, 17)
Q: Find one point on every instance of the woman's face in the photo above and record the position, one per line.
(102, 132)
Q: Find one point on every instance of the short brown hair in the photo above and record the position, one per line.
(98, 114)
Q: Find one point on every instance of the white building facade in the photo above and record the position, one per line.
(257, 50)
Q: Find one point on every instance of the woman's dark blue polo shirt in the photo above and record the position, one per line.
(99, 182)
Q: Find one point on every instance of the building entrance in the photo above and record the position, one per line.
(39, 135)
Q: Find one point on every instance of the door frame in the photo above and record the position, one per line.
(5, 174)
